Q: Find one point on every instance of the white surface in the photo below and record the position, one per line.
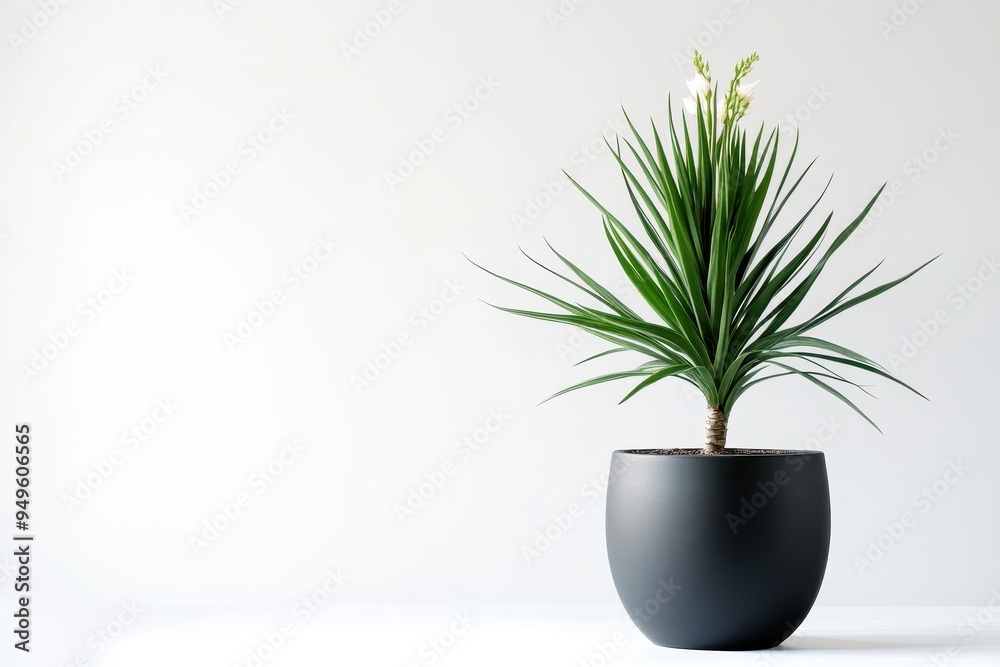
(883, 98)
(542, 636)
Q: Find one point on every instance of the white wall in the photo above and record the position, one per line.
(868, 101)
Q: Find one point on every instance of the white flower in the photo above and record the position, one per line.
(746, 91)
(699, 86)
(692, 108)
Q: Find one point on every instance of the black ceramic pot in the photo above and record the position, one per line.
(722, 552)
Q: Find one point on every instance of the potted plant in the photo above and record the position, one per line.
(716, 548)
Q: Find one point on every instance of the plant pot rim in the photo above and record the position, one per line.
(697, 453)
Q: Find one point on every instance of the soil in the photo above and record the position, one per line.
(702, 452)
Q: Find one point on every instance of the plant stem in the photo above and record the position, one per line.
(715, 430)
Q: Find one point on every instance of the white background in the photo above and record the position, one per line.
(871, 87)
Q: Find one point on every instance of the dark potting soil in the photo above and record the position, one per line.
(702, 452)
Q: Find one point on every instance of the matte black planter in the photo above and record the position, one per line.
(721, 552)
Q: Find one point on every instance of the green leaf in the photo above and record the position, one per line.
(700, 248)
(822, 385)
(613, 350)
(669, 371)
(597, 380)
